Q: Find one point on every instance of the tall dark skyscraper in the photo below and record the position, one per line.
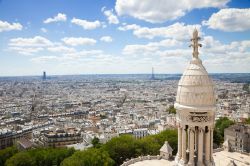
(152, 75)
(44, 75)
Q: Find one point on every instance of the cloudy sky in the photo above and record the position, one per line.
(121, 36)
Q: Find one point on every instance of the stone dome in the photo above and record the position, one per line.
(195, 88)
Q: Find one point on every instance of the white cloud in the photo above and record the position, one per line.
(212, 46)
(110, 16)
(152, 48)
(230, 20)
(59, 17)
(43, 59)
(44, 30)
(26, 50)
(139, 49)
(61, 49)
(128, 27)
(156, 11)
(5, 26)
(84, 53)
(222, 57)
(175, 52)
(107, 39)
(86, 24)
(104, 25)
(75, 41)
(231, 61)
(36, 41)
(70, 56)
(244, 45)
(178, 31)
(29, 46)
(215, 47)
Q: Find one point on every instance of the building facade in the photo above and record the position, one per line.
(238, 137)
(195, 105)
(61, 137)
(140, 133)
(9, 137)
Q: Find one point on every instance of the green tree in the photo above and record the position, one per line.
(126, 146)
(171, 136)
(41, 156)
(7, 153)
(50, 156)
(247, 121)
(153, 143)
(20, 159)
(121, 148)
(220, 125)
(96, 142)
(114, 152)
(217, 137)
(171, 110)
(149, 145)
(90, 157)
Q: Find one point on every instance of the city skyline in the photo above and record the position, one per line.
(121, 37)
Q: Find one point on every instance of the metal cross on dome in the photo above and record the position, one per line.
(195, 43)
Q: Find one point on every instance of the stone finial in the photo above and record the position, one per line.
(195, 43)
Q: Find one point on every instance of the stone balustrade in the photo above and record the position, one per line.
(217, 150)
(142, 158)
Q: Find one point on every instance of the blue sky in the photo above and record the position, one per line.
(121, 36)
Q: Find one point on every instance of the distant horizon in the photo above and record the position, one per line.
(52, 75)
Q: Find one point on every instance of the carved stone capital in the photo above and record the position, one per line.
(191, 128)
(201, 130)
(198, 118)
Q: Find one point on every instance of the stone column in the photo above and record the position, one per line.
(188, 138)
(208, 149)
(211, 144)
(191, 146)
(184, 145)
(179, 142)
(196, 139)
(200, 148)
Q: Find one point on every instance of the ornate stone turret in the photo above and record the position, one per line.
(195, 43)
(166, 151)
(195, 104)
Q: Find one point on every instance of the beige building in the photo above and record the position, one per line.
(237, 138)
(61, 137)
(9, 137)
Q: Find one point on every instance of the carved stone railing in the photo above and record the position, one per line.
(217, 150)
(142, 158)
